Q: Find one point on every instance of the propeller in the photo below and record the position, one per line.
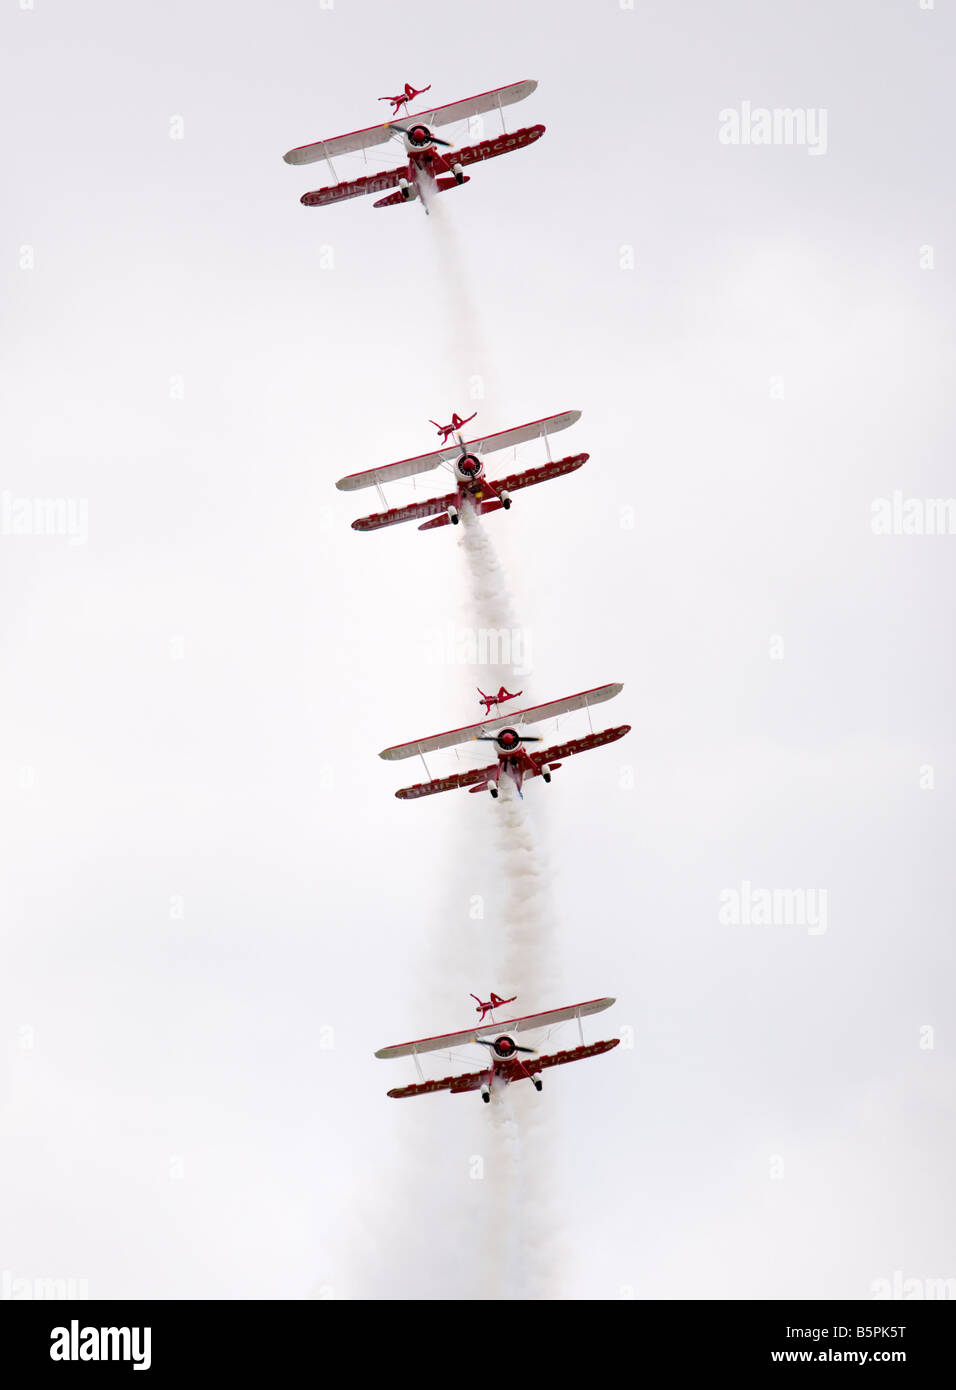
(485, 1042)
(433, 138)
(492, 738)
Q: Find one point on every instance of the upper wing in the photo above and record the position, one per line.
(522, 434)
(371, 183)
(521, 716)
(512, 1071)
(405, 468)
(424, 463)
(437, 115)
(521, 1024)
(446, 784)
(340, 144)
(474, 106)
(469, 1082)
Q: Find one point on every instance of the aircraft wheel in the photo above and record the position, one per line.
(494, 792)
(546, 776)
(507, 504)
(537, 1084)
(486, 1096)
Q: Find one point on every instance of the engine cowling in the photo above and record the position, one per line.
(468, 467)
(505, 1046)
(418, 136)
(507, 740)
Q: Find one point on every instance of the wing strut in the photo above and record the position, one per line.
(328, 160)
(424, 764)
(418, 1065)
(577, 1015)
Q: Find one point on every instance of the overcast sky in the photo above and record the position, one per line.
(214, 908)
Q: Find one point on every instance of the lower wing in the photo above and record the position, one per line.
(542, 474)
(498, 144)
(476, 776)
(514, 1071)
(579, 745)
(512, 483)
(413, 512)
(456, 1084)
(371, 183)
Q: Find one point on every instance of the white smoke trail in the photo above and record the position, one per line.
(524, 1130)
(512, 1138)
(467, 345)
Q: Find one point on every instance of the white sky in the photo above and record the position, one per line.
(192, 700)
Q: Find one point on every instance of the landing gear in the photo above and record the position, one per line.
(459, 173)
(536, 1082)
(405, 188)
(494, 792)
(485, 1094)
(453, 516)
(546, 776)
(504, 499)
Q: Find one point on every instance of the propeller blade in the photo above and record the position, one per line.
(488, 1042)
(434, 139)
(490, 738)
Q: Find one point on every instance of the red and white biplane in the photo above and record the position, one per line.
(426, 169)
(506, 732)
(466, 463)
(504, 1063)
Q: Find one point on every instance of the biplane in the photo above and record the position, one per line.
(426, 169)
(504, 1062)
(515, 762)
(466, 464)
(490, 700)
